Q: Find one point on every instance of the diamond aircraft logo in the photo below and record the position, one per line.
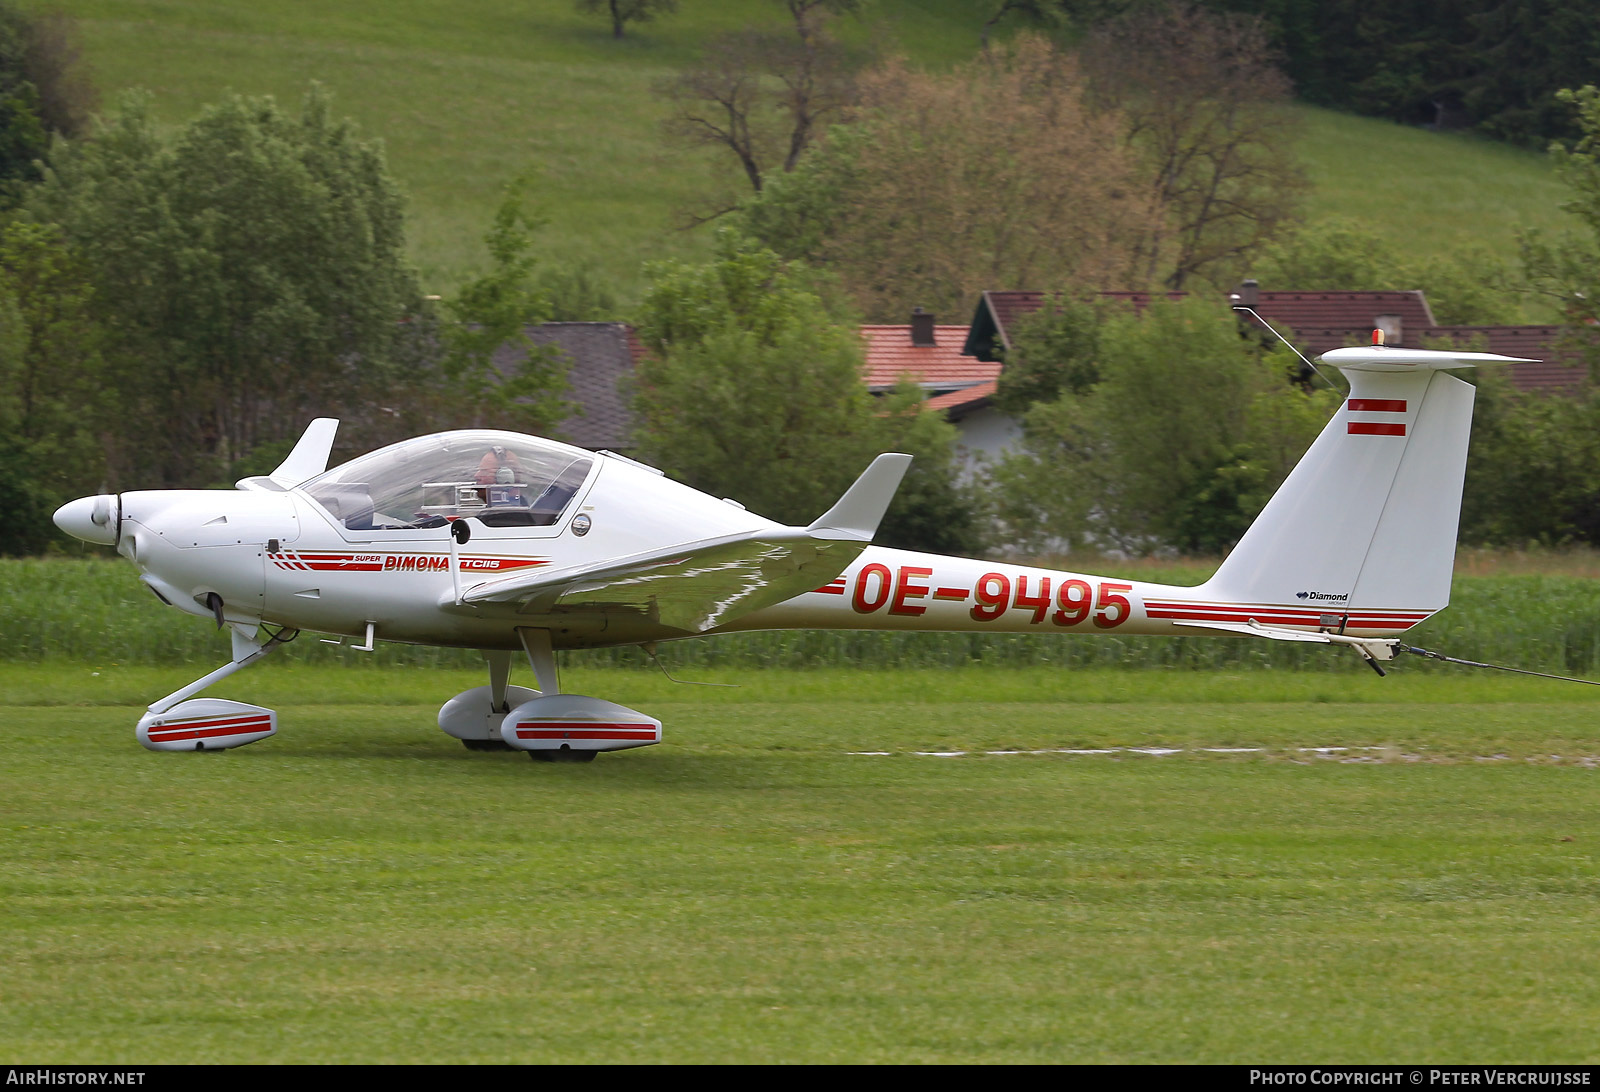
(1322, 597)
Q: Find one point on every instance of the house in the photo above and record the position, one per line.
(953, 382)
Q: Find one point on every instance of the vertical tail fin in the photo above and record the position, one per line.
(1367, 520)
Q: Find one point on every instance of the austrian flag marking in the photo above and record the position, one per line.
(1368, 427)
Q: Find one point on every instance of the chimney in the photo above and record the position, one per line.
(1392, 328)
(921, 328)
(1249, 294)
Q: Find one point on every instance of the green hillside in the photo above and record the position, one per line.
(468, 95)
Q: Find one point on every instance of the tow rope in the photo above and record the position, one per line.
(1431, 655)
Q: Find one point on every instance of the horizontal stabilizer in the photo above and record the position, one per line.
(1379, 648)
(310, 456)
(1392, 358)
(856, 515)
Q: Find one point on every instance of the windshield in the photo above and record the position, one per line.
(502, 478)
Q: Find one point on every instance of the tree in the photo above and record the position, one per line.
(492, 313)
(251, 268)
(1205, 109)
(948, 185)
(752, 389)
(1056, 352)
(1533, 467)
(1567, 271)
(1185, 436)
(763, 96)
(623, 12)
(53, 406)
(42, 92)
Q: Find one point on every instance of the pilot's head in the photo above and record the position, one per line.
(490, 465)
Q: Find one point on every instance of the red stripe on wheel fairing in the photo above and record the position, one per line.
(583, 729)
(1377, 405)
(202, 729)
(1372, 428)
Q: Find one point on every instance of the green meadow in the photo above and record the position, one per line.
(468, 96)
(363, 889)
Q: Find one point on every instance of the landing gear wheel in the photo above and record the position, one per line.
(486, 745)
(566, 754)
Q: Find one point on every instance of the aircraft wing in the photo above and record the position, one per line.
(688, 589)
(691, 587)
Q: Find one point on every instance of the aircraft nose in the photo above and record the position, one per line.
(93, 519)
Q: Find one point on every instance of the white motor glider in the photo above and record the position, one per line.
(504, 542)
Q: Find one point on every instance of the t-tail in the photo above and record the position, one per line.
(1365, 525)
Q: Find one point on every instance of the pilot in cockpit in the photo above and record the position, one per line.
(500, 479)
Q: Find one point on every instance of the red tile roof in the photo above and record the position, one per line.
(937, 367)
(957, 404)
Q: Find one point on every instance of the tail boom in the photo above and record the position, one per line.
(904, 590)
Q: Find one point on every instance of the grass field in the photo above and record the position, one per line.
(363, 889)
(468, 96)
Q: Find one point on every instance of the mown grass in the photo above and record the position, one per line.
(363, 889)
(470, 95)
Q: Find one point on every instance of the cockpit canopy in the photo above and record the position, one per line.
(504, 479)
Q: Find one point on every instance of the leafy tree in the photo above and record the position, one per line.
(997, 173)
(53, 407)
(492, 314)
(752, 389)
(1056, 351)
(1533, 467)
(42, 91)
(1181, 442)
(623, 12)
(1492, 65)
(251, 267)
(1567, 271)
